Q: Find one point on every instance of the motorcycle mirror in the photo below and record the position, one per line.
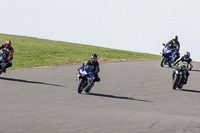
(163, 44)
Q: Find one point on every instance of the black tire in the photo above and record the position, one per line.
(80, 86)
(176, 78)
(181, 86)
(88, 89)
(163, 62)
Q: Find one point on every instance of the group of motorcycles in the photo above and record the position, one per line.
(179, 73)
(85, 75)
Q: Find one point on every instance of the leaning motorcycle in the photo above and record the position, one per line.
(179, 75)
(167, 56)
(85, 78)
(3, 55)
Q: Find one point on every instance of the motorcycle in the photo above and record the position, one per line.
(179, 75)
(3, 56)
(167, 56)
(85, 78)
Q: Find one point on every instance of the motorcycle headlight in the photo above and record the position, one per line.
(84, 72)
(176, 72)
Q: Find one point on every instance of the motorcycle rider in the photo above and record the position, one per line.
(186, 58)
(93, 62)
(174, 43)
(9, 56)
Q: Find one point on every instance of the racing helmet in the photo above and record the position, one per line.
(8, 43)
(175, 38)
(94, 56)
(187, 55)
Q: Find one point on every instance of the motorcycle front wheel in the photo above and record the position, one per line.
(176, 78)
(80, 85)
(163, 62)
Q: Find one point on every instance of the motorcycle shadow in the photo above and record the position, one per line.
(188, 90)
(170, 67)
(30, 82)
(195, 70)
(116, 97)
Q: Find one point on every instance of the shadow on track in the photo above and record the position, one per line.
(187, 90)
(170, 67)
(195, 70)
(26, 81)
(117, 97)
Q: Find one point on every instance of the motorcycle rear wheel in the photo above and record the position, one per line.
(181, 86)
(88, 89)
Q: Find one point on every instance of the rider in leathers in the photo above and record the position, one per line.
(93, 62)
(174, 43)
(9, 57)
(186, 58)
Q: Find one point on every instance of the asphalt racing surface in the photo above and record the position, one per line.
(132, 97)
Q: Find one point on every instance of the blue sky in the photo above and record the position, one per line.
(133, 25)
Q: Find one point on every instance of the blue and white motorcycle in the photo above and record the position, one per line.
(167, 56)
(85, 78)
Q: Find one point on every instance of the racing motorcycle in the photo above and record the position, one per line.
(3, 56)
(85, 78)
(167, 56)
(179, 75)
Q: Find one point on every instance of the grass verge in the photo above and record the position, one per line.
(35, 52)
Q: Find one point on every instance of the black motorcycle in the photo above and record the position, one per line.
(179, 76)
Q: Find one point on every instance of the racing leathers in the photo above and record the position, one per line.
(176, 45)
(189, 62)
(96, 69)
(9, 56)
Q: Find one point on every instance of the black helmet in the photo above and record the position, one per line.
(187, 55)
(175, 38)
(94, 56)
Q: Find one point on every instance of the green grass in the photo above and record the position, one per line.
(34, 52)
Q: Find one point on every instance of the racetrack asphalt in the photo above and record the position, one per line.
(132, 97)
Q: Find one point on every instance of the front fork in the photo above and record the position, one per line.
(90, 81)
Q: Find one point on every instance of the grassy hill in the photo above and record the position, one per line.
(34, 52)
